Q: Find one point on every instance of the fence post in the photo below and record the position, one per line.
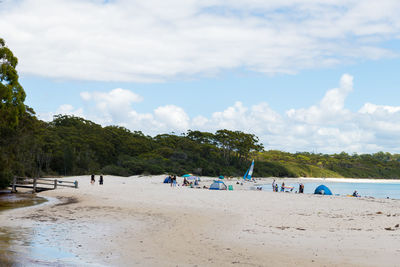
(76, 184)
(55, 183)
(14, 187)
(34, 184)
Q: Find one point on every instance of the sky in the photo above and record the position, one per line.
(302, 75)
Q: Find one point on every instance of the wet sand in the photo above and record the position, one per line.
(140, 221)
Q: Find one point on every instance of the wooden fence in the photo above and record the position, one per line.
(40, 184)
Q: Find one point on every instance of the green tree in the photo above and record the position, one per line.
(12, 107)
(12, 95)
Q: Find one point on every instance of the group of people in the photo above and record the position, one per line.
(93, 180)
(275, 187)
(172, 179)
(191, 184)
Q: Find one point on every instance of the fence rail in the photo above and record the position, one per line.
(45, 184)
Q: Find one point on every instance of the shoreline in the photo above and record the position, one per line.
(331, 179)
(141, 221)
(354, 180)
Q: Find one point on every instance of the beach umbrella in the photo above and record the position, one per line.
(186, 175)
(221, 177)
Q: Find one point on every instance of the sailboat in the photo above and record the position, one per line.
(249, 172)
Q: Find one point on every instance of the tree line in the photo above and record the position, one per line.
(70, 145)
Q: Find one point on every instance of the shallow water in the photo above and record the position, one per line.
(27, 246)
(9, 237)
(20, 200)
(365, 189)
(32, 246)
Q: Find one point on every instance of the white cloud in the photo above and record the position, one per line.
(157, 40)
(369, 108)
(114, 106)
(64, 109)
(172, 117)
(326, 127)
(331, 107)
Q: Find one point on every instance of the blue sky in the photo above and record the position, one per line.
(376, 81)
(301, 75)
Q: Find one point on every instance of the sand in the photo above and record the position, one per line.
(141, 221)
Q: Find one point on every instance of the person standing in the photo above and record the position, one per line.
(92, 180)
(273, 185)
(283, 187)
(174, 181)
(101, 180)
(301, 188)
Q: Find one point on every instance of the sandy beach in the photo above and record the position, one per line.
(141, 221)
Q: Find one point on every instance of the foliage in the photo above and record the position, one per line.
(71, 146)
(12, 95)
(12, 108)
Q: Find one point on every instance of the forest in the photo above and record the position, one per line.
(71, 145)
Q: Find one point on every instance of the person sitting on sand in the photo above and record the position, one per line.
(185, 182)
(355, 194)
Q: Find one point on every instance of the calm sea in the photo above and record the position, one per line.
(377, 190)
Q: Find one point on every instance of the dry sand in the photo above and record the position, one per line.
(141, 221)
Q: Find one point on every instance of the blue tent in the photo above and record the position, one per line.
(167, 180)
(322, 190)
(218, 185)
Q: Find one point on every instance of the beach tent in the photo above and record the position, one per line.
(167, 180)
(322, 190)
(218, 185)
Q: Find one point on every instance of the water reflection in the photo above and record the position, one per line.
(13, 238)
(31, 246)
(7, 255)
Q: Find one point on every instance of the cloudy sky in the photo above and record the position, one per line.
(303, 75)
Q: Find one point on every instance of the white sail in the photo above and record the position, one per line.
(251, 170)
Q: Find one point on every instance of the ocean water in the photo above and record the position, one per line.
(364, 189)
